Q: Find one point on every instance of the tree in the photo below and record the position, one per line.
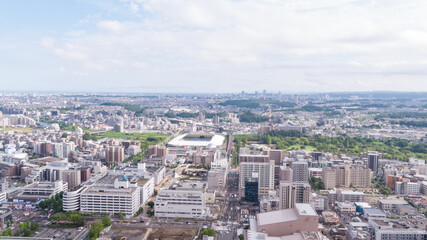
(24, 225)
(150, 204)
(34, 226)
(94, 230)
(268, 140)
(106, 221)
(209, 232)
(76, 218)
(57, 205)
(150, 212)
(27, 232)
(140, 210)
(7, 232)
(241, 237)
(122, 215)
(64, 135)
(155, 192)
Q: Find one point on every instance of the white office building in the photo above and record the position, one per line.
(111, 194)
(71, 200)
(400, 234)
(183, 200)
(407, 188)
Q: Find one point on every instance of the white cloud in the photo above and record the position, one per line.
(304, 45)
(47, 42)
(114, 26)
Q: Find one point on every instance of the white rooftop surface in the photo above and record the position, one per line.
(216, 140)
(345, 204)
(350, 192)
(363, 204)
(279, 216)
(286, 215)
(373, 211)
(393, 201)
(305, 209)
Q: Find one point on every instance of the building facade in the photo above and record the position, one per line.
(291, 193)
(183, 200)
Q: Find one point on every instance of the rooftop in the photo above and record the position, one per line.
(373, 211)
(108, 191)
(188, 185)
(305, 209)
(285, 215)
(197, 140)
(393, 201)
(279, 216)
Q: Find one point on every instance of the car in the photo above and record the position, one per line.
(142, 220)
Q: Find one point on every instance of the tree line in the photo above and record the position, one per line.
(393, 148)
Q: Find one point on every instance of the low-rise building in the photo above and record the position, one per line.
(284, 222)
(39, 191)
(407, 188)
(345, 207)
(400, 234)
(390, 204)
(329, 217)
(345, 196)
(374, 213)
(406, 210)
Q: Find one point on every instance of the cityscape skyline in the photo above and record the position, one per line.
(225, 46)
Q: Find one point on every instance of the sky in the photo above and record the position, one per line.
(206, 46)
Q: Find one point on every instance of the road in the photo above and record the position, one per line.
(230, 214)
(160, 223)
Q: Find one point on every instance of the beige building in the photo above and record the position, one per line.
(254, 158)
(291, 193)
(286, 173)
(72, 177)
(346, 176)
(114, 154)
(279, 223)
(159, 151)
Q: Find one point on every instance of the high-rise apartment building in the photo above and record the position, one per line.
(265, 172)
(373, 160)
(158, 151)
(286, 174)
(72, 177)
(84, 174)
(254, 158)
(293, 192)
(346, 176)
(215, 119)
(114, 154)
(300, 171)
(277, 156)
